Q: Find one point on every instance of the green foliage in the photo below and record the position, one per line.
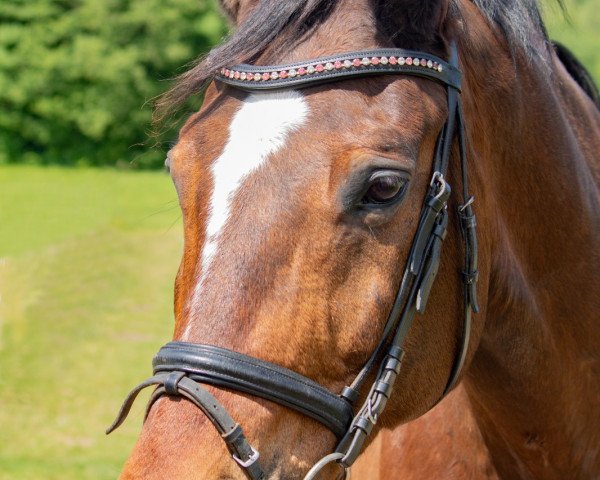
(578, 30)
(77, 76)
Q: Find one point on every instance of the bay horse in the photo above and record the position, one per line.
(311, 212)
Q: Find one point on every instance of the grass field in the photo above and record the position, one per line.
(87, 261)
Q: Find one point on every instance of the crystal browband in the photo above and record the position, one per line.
(320, 70)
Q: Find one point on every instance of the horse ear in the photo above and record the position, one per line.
(231, 8)
(237, 9)
(413, 22)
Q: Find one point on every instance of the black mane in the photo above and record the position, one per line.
(578, 72)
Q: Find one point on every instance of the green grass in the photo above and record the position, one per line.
(87, 262)
(579, 30)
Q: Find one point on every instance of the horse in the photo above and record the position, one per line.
(318, 183)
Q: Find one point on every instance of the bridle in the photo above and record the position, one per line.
(180, 368)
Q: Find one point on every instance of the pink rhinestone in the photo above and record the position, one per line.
(236, 75)
(266, 76)
(226, 72)
(356, 62)
(423, 62)
(283, 74)
(319, 68)
(409, 61)
(393, 60)
(375, 60)
(337, 64)
(301, 71)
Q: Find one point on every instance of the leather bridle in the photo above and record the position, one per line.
(180, 368)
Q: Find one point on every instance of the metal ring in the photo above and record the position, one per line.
(321, 464)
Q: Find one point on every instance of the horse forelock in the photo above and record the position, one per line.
(279, 26)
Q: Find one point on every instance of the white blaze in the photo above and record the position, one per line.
(258, 129)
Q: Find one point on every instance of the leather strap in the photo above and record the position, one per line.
(225, 368)
(470, 274)
(177, 383)
(336, 67)
(420, 273)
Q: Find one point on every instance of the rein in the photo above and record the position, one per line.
(180, 368)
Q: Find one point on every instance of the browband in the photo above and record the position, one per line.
(353, 64)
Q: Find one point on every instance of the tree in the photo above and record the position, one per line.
(77, 77)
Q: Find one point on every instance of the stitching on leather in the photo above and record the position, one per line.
(309, 408)
(317, 414)
(324, 394)
(316, 389)
(285, 373)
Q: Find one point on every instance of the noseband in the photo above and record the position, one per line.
(180, 368)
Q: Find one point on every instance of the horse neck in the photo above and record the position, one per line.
(534, 378)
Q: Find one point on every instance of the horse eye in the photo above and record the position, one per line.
(384, 188)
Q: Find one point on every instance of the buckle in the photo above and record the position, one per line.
(436, 178)
(251, 459)
(443, 189)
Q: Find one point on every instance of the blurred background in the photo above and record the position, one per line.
(90, 228)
